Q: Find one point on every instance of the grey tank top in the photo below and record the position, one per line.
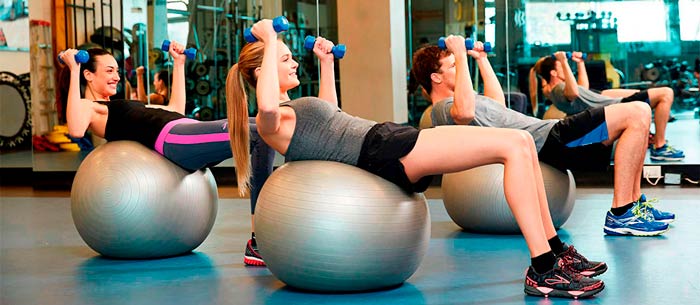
(586, 99)
(489, 113)
(324, 132)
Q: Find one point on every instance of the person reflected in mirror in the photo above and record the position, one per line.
(572, 95)
(161, 84)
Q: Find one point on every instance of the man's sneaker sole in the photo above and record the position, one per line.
(572, 294)
(628, 231)
(662, 158)
(666, 221)
(253, 261)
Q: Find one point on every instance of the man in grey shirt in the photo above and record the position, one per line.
(582, 141)
(573, 96)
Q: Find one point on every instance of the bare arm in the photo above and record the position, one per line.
(462, 111)
(78, 111)
(327, 90)
(268, 86)
(570, 84)
(177, 88)
(140, 87)
(581, 67)
(492, 87)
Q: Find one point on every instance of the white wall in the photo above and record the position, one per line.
(373, 72)
(15, 62)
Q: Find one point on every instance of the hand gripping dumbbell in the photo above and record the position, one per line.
(81, 57)
(569, 54)
(191, 53)
(280, 24)
(337, 50)
(469, 43)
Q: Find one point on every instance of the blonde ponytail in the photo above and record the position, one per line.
(237, 113)
(241, 73)
(533, 91)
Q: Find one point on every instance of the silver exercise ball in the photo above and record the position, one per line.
(474, 198)
(426, 121)
(128, 201)
(553, 113)
(328, 226)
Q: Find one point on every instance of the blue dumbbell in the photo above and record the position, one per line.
(469, 43)
(81, 57)
(568, 56)
(337, 50)
(191, 53)
(583, 55)
(280, 24)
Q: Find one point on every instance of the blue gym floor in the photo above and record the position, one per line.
(44, 261)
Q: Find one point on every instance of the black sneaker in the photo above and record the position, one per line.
(562, 283)
(576, 262)
(252, 257)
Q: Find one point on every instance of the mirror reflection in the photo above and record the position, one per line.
(15, 93)
(629, 46)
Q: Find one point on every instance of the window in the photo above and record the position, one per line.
(690, 19)
(636, 20)
(178, 23)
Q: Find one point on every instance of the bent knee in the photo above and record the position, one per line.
(629, 114)
(640, 109)
(521, 141)
(635, 110)
(667, 92)
(662, 94)
(639, 114)
(521, 137)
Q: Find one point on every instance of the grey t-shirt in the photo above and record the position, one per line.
(586, 99)
(324, 132)
(489, 113)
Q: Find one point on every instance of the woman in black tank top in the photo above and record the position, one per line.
(100, 76)
(268, 66)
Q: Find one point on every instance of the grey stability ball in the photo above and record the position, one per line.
(474, 198)
(426, 120)
(128, 201)
(328, 226)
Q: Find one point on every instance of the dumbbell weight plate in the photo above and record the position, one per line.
(155, 56)
(201, 69)
(652, 74)
(203, 113)
(203, 87)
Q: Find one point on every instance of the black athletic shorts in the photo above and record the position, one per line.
(641, 96)
(384, 145)
(575, 142)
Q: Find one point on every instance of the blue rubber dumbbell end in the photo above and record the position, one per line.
(468, 43)
(191, 53)
(337, 50)
(81, 57)
(279, 23)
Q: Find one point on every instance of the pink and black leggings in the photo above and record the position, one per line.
(194, 145)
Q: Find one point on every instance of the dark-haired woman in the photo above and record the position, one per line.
(189, 143)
